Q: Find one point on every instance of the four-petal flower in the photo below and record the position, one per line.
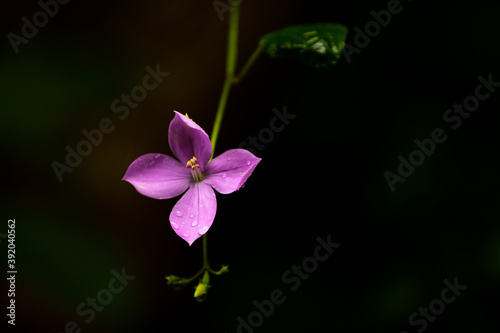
(162, 177)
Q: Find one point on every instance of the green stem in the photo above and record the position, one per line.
(230, 80)
(255, 55)
(232, 53)
(205, 256)
(231, 57)
(196, 275)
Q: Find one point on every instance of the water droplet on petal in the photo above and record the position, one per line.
(224, 175)
(194, 223)
(179, 213)
(175, 225)
(191, 215)
(185, 235)
(248, 162)
(203, 230)
(229, 158)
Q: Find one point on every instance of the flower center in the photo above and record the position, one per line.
(195, 169)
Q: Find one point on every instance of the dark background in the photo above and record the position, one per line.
(322, 175)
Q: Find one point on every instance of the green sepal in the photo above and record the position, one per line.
(224, 269)
(176, 282)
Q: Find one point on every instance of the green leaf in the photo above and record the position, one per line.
(318, 45)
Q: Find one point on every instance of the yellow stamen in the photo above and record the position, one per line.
(192, 163)
(195, 169)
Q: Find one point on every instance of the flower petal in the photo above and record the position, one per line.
(194, 213)
(158, 176)
(228, 172)
(187, 139)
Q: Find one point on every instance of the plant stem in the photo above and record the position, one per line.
(255, 55)
(231, 57)
(232, 53)
(196, 275)
(205, 256)
(230, 80)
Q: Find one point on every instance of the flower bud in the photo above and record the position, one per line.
(200, 293)
(176, 282)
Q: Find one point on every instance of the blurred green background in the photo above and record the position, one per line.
(322, 175)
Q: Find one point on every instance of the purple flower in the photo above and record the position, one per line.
(160, 176)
